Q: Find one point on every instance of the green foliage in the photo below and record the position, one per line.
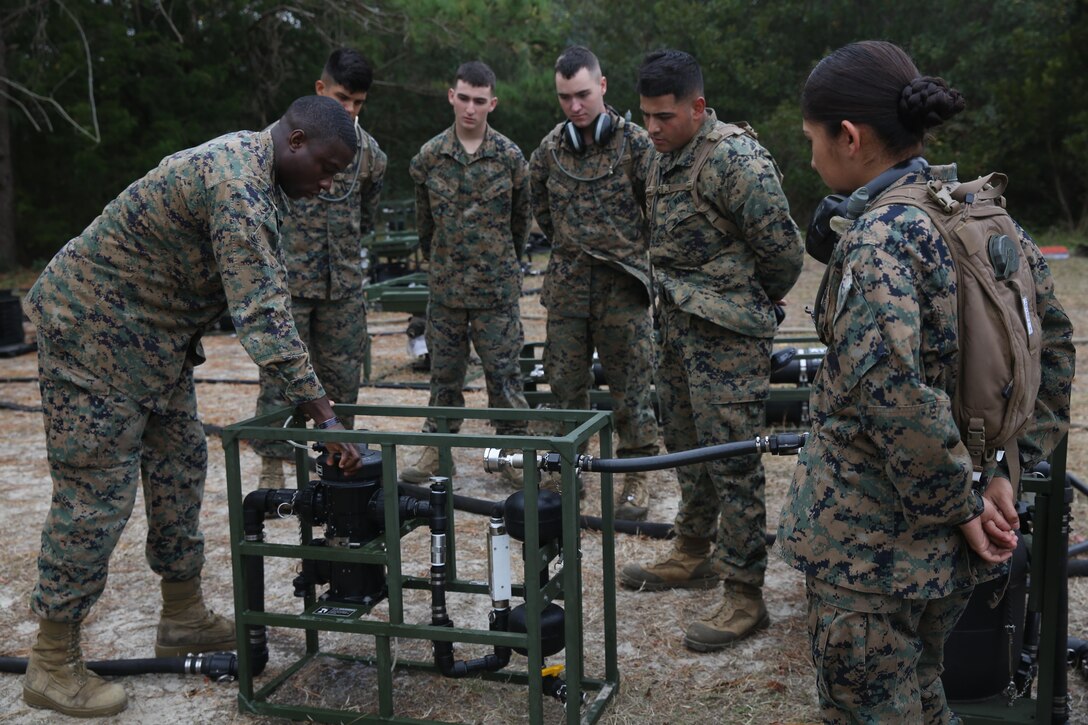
(1076, 242)
(171, 75)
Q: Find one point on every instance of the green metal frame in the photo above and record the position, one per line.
(400, 294)
(1047, 594)
(566, 584)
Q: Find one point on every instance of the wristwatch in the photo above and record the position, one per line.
(978, 505)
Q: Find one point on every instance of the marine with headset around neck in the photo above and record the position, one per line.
(884, 516)
(588, 179)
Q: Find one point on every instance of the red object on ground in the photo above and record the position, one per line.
(1055, 252)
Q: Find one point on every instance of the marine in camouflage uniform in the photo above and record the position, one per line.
(882, 515)
(590, 203)
(720, 264)
(321, 241)
(873, 513)
(119, 313)
(472, 216)
(717, 296)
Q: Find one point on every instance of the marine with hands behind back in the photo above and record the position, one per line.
(883, 516)
(472, 215)
(589, 187)
(724, 251)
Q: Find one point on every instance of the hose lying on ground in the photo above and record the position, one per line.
(218, 666)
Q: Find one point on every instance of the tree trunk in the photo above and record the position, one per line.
(7, 177)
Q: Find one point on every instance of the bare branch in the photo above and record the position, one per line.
(23, 108)
(50, 101)
(169, 21)
(94, 133)
(97, 137)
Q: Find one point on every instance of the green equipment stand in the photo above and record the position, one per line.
(588, 694)
(1047, 599)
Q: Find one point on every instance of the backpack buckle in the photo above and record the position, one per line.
(976, 442)
(940, 194)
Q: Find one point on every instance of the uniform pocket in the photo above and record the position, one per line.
(496, 187)
(440, 190)
(680, 218)
(858, 346)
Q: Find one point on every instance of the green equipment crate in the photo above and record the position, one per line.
(312, 616)
(407, 293)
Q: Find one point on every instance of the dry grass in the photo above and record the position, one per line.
(766, 679)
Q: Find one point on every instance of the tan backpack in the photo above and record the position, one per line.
(999, 327)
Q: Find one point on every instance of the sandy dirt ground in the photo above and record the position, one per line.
(766, 679)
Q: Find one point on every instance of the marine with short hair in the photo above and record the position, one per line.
(322, 244)
(719, 271)
(588, 180)
(119, 313)
(472, 216)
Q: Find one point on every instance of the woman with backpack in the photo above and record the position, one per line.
(883, 515)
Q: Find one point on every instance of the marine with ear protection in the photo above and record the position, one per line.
(821, 237)
(602, 132)
(588, 180)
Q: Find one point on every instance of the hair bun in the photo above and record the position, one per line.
(926, 102)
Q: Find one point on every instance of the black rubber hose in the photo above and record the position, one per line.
(670, 460)
(219, 666)
(1076, 483)
(787, 443)
(443, 650)
(256, 506)
(483, 507)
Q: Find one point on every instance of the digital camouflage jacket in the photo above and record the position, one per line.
(472, 215)
(129, 298)
(591, 205)
(732, 280)
(884, 480)
(322, 237)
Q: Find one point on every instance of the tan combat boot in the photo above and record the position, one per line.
(740, 614)
(271, 473)
(427, 466)
(187, 625)
(58, 679)
(633, 501)
(687, 566)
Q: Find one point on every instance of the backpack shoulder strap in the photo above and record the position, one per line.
(713, 139)
(722, 223)
(968, 217)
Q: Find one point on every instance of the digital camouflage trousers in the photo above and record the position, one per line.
(879, 658)
(497, 335)
(713, 384)
(101, 446)
(619, 327)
